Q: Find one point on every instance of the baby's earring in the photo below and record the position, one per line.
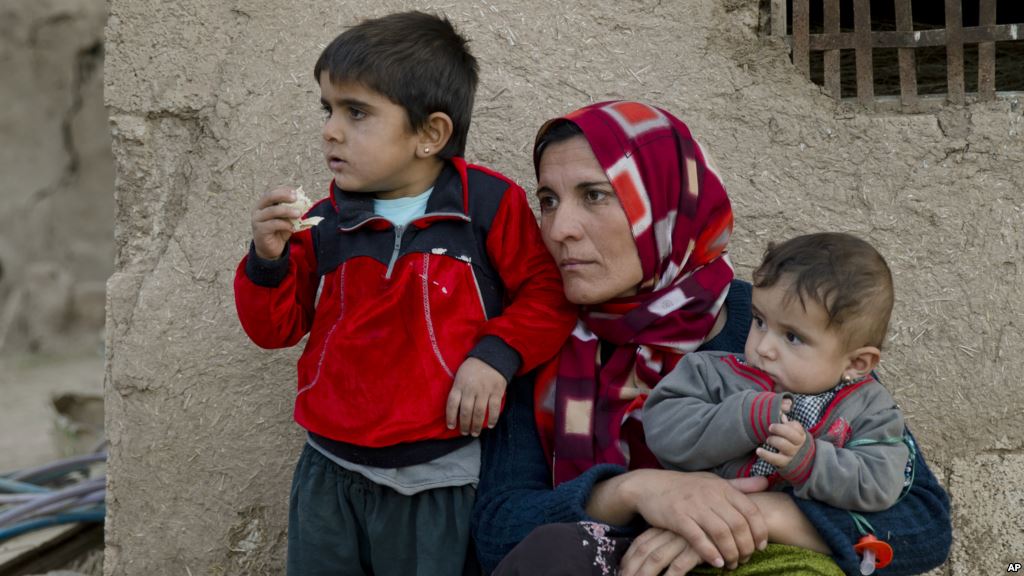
(847, 379)
(426, 150)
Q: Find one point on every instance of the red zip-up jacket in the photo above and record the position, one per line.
(392, 312)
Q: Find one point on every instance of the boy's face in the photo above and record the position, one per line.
(795, 345)
(367, 142)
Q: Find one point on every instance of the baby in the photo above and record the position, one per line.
(801, 406)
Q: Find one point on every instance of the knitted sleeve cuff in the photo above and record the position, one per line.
(266, 273)
(498, 355)
(761, 411)
(583, 486)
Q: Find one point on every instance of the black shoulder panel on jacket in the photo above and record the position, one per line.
(325, 210)
(486, 192)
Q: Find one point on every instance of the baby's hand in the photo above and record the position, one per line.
(476, 395)
(271, 226)
(787, 438)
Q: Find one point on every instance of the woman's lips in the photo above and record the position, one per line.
(574, 264)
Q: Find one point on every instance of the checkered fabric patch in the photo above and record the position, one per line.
(807, 410)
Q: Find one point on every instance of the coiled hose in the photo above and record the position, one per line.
(52, 494)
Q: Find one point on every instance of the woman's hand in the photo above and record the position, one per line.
(656, 550)
(720, 523)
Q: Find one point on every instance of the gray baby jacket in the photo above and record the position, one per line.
(712, 410)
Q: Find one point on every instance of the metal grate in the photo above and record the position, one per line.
(862, 40)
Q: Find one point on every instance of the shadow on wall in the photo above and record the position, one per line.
(57, 213)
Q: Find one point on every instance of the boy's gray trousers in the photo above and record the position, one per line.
(342, 524)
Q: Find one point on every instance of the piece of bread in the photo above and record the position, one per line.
(302, 204)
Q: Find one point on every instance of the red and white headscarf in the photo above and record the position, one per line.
(681, 221)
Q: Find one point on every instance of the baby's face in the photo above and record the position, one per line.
(794, 344)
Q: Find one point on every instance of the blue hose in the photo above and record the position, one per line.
(58, 468)
(92, 515)
(29, 499)
(15, 486)
(17, 512)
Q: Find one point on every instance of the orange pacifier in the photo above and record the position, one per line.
(874, 553)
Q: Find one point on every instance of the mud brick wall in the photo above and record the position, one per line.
(213, 101)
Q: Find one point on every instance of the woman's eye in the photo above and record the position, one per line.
(593, 195)
(793, 338)
(547, 202)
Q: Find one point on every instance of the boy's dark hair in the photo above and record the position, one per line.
(416, 60)
(840, 272)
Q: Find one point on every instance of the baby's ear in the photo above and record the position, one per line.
(862, 361)
(435, 133)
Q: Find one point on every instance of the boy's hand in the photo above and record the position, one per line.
(476, 394)
(787, 438)
(271, 226)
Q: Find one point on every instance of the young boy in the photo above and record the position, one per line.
(424, 289)
(801, 405)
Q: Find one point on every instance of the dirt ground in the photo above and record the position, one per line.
(29, 434)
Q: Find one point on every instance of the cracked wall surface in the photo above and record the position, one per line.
(57, 214)
(213, 102)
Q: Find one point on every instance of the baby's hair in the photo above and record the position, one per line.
(843, 274)
(416, 60)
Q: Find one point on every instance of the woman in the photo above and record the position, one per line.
(638, 222)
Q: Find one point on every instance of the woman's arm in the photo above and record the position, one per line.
(918, 527)
(515, 495)
(716, 518)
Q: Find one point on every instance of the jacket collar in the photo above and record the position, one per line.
(450, 196)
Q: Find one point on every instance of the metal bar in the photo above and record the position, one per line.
(779, 18)
(908, 60)
(918, 38)
(954, 52)
(833, 80)
(862, 44)
(801, 34)
(987, 53)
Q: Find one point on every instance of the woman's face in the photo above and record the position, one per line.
(584, 226)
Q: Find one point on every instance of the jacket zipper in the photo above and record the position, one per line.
(399, 230)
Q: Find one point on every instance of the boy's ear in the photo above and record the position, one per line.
(862, 361)
(434, 134)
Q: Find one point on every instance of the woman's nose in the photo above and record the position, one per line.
(565, 224)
